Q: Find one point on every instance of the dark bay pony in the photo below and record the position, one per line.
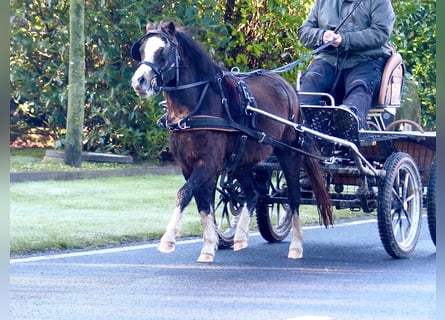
(201, 99)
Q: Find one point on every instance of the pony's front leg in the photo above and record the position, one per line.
(209, 237)
(296, 244)
(168, 240)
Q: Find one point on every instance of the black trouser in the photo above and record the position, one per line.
(355, 87)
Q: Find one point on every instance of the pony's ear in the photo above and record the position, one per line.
(150, 26)
(168, 26)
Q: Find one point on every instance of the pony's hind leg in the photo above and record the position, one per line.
(296, 244)
(291, 166)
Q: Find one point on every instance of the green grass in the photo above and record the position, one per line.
(58, 215)
(54, 215)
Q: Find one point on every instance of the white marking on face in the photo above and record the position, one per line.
(144, 72)
(152, 45)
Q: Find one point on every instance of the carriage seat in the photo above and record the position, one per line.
(390, 92)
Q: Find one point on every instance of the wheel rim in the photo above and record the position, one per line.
(279, 217)
(405, 207)
(279, 213)
(226, 214)
(431, 201)
(273, 213)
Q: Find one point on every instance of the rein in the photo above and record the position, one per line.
(292, 65)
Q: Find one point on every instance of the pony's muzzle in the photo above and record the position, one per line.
(141, 84)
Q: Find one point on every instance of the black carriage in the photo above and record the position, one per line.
(390, 169)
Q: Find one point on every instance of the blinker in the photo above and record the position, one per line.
(135, 48)
(135, 54)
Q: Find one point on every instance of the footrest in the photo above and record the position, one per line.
(336, 121)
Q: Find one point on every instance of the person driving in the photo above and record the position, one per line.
(351, 67)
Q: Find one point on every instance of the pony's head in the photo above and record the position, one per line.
(158, 54)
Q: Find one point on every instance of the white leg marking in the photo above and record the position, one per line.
(242, 230)
(210, 238)
(168, 240)
(296, 244)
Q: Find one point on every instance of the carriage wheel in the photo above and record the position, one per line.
(431, 201)
(373, 126)
(397, 124)
(399, 207)
(227, 211)
(273, 214)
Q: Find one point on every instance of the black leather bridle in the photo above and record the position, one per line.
(172, 58)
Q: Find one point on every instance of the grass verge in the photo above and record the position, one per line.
(59, 215)
(77, 214)
(53, 215)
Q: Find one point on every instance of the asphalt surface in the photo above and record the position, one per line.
(345, 274)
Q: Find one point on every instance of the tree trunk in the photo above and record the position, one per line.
(76, 85)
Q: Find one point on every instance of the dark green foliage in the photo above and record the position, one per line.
(415, 38)
(245, 34)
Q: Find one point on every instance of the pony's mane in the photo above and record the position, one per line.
(197, 56)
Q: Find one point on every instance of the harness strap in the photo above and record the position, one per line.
(185, 86)
(182, 124)
(231, 164)
(259, 136)
(201, 122)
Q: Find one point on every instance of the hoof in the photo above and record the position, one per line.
(239, 245)
(205, 258)
(167, 247)
(295, 254)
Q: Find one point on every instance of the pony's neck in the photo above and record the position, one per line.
(197, 62)
(196, 66)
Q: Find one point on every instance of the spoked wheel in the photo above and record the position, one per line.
(227, 209)
(431, 201)
(273, 214)
(403, 124)
(399, 207)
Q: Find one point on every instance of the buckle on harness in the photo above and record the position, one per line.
(182, 124)
(263, 136)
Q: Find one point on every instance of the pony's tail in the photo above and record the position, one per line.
(318, 184)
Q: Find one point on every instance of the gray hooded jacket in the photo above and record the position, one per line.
(365, 34)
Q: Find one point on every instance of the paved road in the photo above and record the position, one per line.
(345, 274)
